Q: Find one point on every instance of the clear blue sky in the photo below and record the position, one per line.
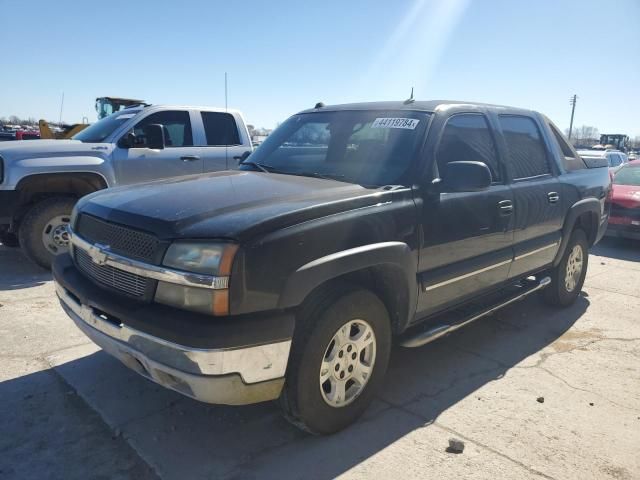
(284, 56)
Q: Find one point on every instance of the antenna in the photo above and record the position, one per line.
(225, 92)
(410, 99)
(226, 147)
(61, 105)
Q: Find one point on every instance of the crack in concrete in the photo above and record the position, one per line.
(529, 469)
(429, 421)
(635, 410)
(546, 355)
(614, 291)
(98, 414)
(231, 473)
(45, 354)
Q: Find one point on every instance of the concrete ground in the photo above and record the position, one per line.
(67, 410)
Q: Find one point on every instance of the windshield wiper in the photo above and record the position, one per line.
(324, 176)
(259, 166)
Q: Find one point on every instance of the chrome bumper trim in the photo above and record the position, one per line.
(101, 255)
(253, 364)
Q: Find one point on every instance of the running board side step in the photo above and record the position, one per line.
(438, 330)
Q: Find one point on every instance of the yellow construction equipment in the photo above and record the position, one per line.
(107, 105)
(104, 106)
(68, 131)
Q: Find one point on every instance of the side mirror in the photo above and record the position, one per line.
(242, 157)
(154, 135)
(465, 177)
(128, 140)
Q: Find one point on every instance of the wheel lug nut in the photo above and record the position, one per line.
(349, 348)
(350, 368)
(340, 353)
(337, 368)
(353, 355)
(341, 374)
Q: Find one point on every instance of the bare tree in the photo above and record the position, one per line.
(584, 136)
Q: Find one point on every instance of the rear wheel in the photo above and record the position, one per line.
(568, 276)
(338, 361)
(43, 230)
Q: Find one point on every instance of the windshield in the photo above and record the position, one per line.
(100, 130)
(629, 175)
(365, 147)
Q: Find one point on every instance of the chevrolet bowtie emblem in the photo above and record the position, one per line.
(98, 254)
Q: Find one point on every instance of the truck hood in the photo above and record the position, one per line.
(22, 149)
(230, 204)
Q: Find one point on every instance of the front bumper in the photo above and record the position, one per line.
(234, 375)
(623, 231)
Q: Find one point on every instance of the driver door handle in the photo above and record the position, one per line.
(189, 158)
(506, 207)
(553, 197)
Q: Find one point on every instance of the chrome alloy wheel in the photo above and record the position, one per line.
(574, 268)
(55, 235)
(348, 363)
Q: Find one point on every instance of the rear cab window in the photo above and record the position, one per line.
(526, 151)
(571, 159)
(220, 129)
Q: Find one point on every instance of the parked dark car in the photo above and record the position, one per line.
(349, 228)
(625, 202)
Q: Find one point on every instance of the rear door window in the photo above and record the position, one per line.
(525, 149)
(466, 137)
(220, 129)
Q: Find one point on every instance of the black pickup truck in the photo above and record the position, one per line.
(350, 228)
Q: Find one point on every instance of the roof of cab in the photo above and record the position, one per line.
(427, 106)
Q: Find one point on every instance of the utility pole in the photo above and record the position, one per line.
(572, 101)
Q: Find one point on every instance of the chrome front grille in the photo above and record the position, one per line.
(125, 241)
(126, 282)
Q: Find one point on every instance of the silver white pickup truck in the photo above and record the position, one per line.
(41, 180)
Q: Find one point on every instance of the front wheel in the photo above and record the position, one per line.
(9, 239)
(43, 230)
(568, 276)
(338, 361)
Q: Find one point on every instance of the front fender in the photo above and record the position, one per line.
(21, 169)
(591, 206)
(315, 273)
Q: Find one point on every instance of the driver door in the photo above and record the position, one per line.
(179, 157)
(467, 236)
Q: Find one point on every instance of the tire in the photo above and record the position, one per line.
(559, 293)
(46, 214)
(9, 239)
(305, 400)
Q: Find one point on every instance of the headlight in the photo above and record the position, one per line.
(214, 259)
(207, 258)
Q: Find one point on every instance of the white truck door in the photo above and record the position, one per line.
(179, 157)
(223, 143)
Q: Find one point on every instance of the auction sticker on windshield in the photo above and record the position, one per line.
(408, 123)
